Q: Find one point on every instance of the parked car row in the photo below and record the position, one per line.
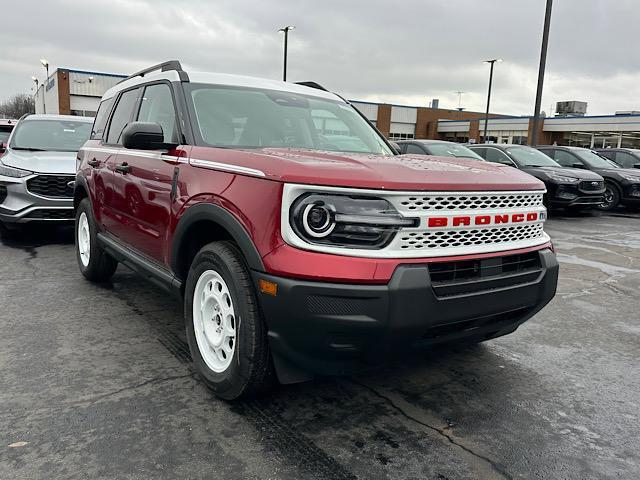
(575, 178)
(298, 241)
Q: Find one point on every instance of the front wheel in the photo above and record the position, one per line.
(226, 333)
(95, 264)
(611, 197)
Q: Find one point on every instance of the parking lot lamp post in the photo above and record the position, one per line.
(45, 64)
(286, 39)
(35, 97)
(543, 62)
(486, 115)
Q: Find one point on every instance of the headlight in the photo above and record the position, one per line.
(631, 178)
(346, 221)
(563, 179)
(13, 172)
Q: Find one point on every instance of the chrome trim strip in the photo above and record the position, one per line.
(226, 167)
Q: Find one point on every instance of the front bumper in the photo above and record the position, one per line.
(331, 328)
(630, 194)
(19, 205)
(572, 195)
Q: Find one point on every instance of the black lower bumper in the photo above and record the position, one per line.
(330, 328)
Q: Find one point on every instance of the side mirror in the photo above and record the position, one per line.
(144, 136)
(577, 165)
(636, 165)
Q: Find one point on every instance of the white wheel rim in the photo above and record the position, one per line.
(84, 239)
(214, 321)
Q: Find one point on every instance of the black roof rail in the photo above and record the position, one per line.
(312, 85)
(162, 67)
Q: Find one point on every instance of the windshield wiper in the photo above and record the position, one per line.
(29, 149)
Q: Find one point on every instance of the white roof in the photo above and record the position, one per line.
(47, 116)
(224, 79)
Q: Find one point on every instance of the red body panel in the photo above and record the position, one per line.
(146, 220)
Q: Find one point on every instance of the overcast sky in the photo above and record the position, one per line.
(405, 52)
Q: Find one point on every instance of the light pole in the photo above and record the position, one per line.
(286, 39)
(35, 97)
(486, 115)
(543, 62)
(45, 64)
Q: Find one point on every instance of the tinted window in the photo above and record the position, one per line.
(4, 136)
(411, 148)
(564, 158)
(530, 157)
(122, 115)
(51, 135)
(594, 160)
(496, 156)
(157, 106)
(626, 159)
(452, 150)
(608, 153)
(100, 122)
(256, 118)
(480, 151)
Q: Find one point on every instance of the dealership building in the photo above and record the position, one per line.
(78, 92)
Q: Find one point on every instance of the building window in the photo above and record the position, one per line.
(83, 113)
(401, 136)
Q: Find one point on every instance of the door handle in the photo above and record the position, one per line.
(123, 168)
(93, 162)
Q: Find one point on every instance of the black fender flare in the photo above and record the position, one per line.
(226, 220)
(81, 184)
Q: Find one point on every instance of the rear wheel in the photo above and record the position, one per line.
(226, 333)
(95, 264)
(611, 197)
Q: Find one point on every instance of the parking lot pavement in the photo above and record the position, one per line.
(96, 383)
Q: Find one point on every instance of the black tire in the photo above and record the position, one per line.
(100, 266)
(250, 370)
(612, 197)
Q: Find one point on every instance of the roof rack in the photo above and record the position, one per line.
(161, 67)
(312, 85)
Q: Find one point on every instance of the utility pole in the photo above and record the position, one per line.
(45, 64)
(486, 115)
(286, 40)
(543, 62)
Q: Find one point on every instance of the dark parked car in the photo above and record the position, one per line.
(566, 187)
(437, 147)
(622, 184)
(625, 157)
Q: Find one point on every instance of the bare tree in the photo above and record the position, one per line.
(17, 106)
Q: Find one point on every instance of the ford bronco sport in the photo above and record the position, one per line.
(297, 239)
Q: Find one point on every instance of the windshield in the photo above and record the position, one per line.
(50, 135)
(594, 160)
(254, 118)
(4, 136)
(530, 157)
(452, 150)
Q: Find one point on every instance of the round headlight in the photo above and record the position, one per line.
(317, 220)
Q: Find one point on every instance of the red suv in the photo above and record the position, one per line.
(299, 241)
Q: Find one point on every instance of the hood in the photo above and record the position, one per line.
(41, 162)
(579, 173)
(400, 172)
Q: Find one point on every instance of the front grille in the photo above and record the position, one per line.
(472, 276)
(469, 201)
(52, 214)
(54, 186)
(470, 237)
(594, 186)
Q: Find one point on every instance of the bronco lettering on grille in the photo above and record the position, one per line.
(468, 220)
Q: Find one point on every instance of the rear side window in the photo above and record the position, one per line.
(100, 123)
(411, 148)
(625, 159)
(157, 106)
(122, 115)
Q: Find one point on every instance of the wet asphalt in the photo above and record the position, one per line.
(96, 382)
